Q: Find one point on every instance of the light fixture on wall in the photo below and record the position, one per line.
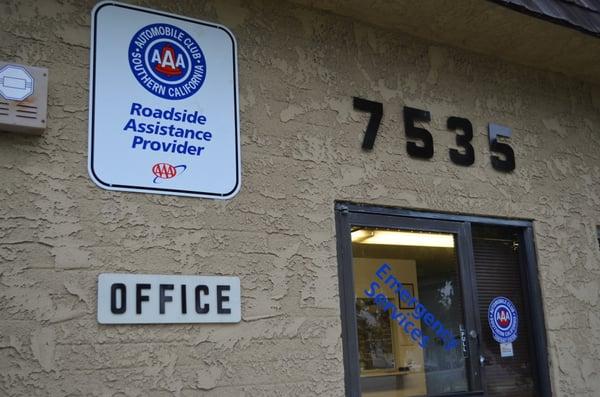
(392, 237)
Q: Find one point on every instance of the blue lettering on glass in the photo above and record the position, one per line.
(167, 61)
(503, 319)
(403, 320)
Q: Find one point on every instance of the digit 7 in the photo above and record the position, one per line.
(376, 110)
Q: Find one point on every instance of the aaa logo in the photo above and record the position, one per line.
(166, 171)
(503, 320)
(167, 61)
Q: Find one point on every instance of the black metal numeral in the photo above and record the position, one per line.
(410, 116)
(464, 141)
(508, 164)
(376, 111)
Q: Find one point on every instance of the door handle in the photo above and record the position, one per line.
(483, 361)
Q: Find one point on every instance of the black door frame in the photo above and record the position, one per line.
(348, 214)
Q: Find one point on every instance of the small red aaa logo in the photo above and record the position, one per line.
(166, 170)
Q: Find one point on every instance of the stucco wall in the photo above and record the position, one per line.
(298, 70)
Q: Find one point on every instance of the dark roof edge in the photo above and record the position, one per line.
(558, 21)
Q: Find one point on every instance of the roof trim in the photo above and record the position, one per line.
(561, 12)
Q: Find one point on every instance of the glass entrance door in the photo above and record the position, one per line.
(416, 296)
(412, 308)
(409, 313)
(508, 369)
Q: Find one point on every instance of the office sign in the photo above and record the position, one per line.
(163, 104)
(155, 299)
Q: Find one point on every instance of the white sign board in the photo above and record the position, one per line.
(163, 104)
(506, 350)
(154, 299)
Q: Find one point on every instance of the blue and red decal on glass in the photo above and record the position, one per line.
(503, 319)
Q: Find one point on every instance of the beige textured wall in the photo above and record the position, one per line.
(301, 141)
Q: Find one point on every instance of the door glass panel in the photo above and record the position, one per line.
(409, 313)
(497, 268)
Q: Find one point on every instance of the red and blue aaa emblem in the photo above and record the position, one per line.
(166, 171)
(503, 320)
(167, 61)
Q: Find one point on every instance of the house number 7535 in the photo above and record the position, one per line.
(420, 141)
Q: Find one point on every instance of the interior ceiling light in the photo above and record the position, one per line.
(414, 239)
